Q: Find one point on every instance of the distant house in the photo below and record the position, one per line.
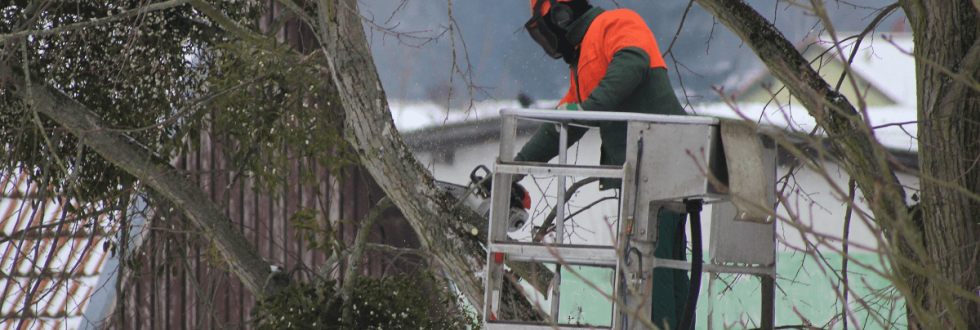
(883, 69)
(883, 72)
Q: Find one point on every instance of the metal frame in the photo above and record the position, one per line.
(600, 256)
(558, 116)
(634, 233)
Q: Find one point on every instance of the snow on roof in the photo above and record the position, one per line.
(796, 118)
(62, 282)
(884, 60)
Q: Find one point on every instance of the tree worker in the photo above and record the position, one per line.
(615, 66)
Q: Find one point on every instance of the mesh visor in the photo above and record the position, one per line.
(543, 36)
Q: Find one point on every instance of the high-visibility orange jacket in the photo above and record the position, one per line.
(619, 68)
(609, 32)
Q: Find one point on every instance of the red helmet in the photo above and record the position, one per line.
(545, 5)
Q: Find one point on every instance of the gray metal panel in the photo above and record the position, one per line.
(740, 241)
(567, 170)
(744, 241)
(750, 159)
(673, 161)
(566, 254)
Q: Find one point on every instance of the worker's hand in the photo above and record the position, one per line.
(569, 106)
(577, 107)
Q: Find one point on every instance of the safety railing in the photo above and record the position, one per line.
(500, 247)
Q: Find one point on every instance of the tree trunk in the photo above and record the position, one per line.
(445, 230)
(947, 44)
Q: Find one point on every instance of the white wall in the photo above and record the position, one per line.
(818, 202)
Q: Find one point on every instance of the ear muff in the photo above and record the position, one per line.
(561, 14)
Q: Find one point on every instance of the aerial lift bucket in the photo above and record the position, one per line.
(675, 163)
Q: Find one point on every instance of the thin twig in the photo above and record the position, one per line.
(679, 27)
(550, 219)
(847, 231)
(18, 234)
(95, 22)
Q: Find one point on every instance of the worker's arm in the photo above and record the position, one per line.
(544, 144)
(626, 70)
(628, 67)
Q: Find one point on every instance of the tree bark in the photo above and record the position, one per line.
(444, 229)
(244, 261)
(947, 51)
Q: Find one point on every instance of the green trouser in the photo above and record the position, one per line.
(670, 286)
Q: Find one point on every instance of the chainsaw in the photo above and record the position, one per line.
(476, 196)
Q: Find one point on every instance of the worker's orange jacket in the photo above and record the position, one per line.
(608, 33)
(619, 68)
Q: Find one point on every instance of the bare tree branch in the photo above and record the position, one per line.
(96, 22)
(550, 219)
(357, 254)
(236, 250)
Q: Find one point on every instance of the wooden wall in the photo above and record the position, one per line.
(179, 285)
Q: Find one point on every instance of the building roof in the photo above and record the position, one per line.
(59, 260)
(884, 69)
(886, 61)
(444, 138)
(882, 65)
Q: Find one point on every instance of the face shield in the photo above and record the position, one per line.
(539, 31)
